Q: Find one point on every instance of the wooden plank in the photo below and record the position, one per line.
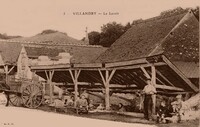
(173, 67)
(46, 67)
(126, 67)
(169, 87)
(126, 63)
(88, 65)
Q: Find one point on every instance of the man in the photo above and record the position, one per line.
(148, 91)
(82, 104)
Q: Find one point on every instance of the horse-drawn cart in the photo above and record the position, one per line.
(22, 93)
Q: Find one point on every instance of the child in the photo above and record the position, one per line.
(162, 113)
(176, 106)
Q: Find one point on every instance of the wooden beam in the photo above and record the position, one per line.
(173, 67)
(157, 78)
(50, 67)
(127, 67)
(111, 75)
(75, 80)
(47, 76)
(50, 85)
(168, 87)
(107, 91)
(88, 65)
(159, 73)
(102, 77)
(106, 81)
(153, 80)
(6, 72)
(11, 69)
(145, 72)
(125, 63)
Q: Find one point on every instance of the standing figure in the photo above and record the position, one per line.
(148, 90)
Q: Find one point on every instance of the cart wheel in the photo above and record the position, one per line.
(15, 99)
(32, 96)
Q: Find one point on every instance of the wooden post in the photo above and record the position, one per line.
(153, 80)
(49, 81)
(106, 82)
(50, 87)
(107, 92)
(75, 80)
(6, 72)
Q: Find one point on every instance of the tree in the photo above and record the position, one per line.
(48, 31)
(110, 33)
(94, 38)
(127, 26)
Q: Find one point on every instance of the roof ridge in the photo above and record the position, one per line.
(47, 44)
(83, 45)
(163, 40)
(159, 17)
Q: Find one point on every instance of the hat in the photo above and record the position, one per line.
(179, 96)
(82, 95)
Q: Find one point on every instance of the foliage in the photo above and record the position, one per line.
(110, 32)
(5, 36)
(48, 31)
(94, 38)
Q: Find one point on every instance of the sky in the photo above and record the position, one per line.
(30, 17)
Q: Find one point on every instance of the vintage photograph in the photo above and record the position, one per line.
(99, 63)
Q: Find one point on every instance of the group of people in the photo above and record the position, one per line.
(84, 104)
(164, 111)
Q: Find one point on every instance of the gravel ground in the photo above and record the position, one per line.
(22, 117)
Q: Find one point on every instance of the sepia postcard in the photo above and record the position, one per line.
(99, 63)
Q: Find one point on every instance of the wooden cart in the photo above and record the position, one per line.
(23, 93)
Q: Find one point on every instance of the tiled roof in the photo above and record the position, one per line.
(144, 39)
(38, 51)
(189, 69)
(79, 53)
(10, 51)
(182, 44)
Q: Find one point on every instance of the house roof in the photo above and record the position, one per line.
(189, 69)
(84, 54)
(39, 51)
(144, 39)
(79, 53)
(10, 51)
(182, 44)
(51, 38)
